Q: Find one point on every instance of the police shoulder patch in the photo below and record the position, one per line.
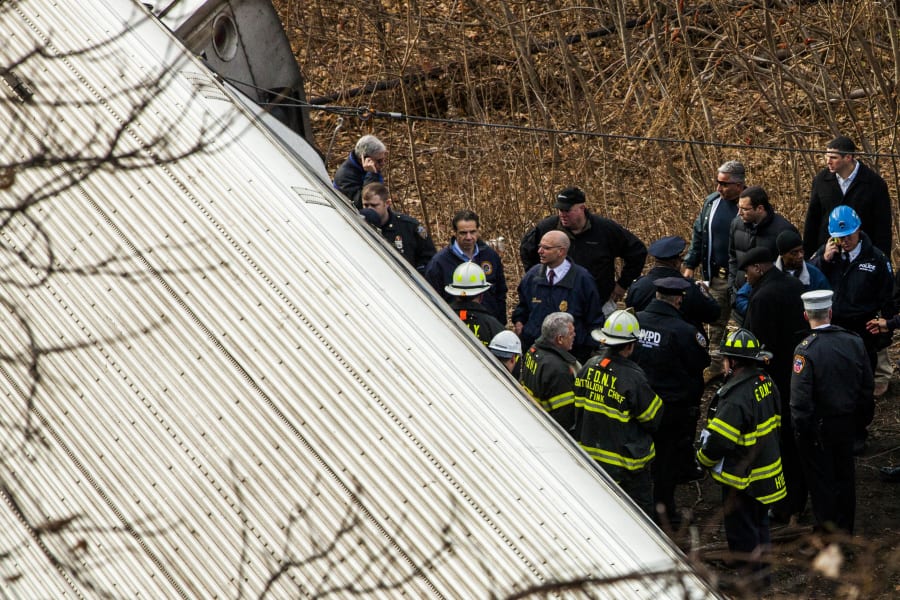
(799, 363)
(423, 233)
(701, 339)
(487, 267)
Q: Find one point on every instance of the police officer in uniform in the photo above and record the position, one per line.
(405, 234)
(862, 279)
(740, 447)
(468, 286)
(548, 369)
(616, 410)
(673, 354)
(698, 307)
(831, 392)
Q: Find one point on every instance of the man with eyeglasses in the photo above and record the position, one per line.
(846, 180)
(757, 226)
(557, 284)
(709, 250)
(361, 168)
(595, 243)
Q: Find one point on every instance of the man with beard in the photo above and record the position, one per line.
(757, 227)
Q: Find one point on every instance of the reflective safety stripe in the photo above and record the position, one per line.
(617, 460)
(746, 439)
(532, 396)
(774, 497)
(603, 409)
(759, 474)
(564, 399)
(705, 460)
(650, 413)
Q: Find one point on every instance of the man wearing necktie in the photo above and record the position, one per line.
(557, 284)
(862, 288)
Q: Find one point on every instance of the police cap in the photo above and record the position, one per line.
(671, 286)
(667, 247)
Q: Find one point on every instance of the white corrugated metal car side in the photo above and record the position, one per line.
(218, 382)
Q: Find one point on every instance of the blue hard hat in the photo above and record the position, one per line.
(843, 221)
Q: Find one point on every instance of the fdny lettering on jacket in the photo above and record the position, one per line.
(763, 390)
(601, 385)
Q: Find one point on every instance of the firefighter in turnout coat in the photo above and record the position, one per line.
(616, 411)
(740, 447)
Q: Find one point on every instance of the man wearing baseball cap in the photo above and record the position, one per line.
(595, 244)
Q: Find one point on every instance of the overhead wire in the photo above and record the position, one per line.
(365, 113)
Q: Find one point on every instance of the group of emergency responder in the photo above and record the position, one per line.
(794, 343)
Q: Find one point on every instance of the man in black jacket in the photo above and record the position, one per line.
(757, 227)
(831, 392)
(468, 286)
(775, 317)
(673, 354)
(548, 369)
(404, 233)
(698, 307)
(362, 167)
(845, 180)
(595, 244)
(862, 279)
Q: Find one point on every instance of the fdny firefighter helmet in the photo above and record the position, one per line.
(621, 327)
(505, 344)
(743, 344)
(843, 221)
(468, 280)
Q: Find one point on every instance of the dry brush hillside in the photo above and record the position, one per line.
(635, 101)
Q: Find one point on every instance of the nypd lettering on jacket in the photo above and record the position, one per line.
(649, 338)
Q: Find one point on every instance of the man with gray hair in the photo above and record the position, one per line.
(548, 370)
(361, 168)
(709, 249)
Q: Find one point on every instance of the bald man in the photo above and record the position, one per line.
(556, 284)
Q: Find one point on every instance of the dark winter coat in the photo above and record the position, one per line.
(746, 237)
(596, 249)
(439, 273)
(350, 178)
(867, 195)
